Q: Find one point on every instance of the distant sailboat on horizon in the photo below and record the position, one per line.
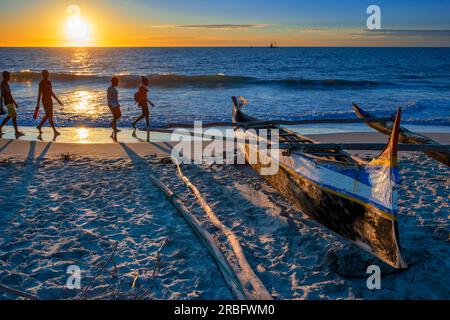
(273, 45)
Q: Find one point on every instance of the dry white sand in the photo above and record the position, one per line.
(56, 213)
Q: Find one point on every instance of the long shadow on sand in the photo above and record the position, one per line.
(5, 146)
(167, 150)
(18, 196)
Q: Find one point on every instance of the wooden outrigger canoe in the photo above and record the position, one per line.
(351, 197)
(406, 136)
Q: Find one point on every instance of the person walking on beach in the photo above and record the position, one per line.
(113, 103)
(11, 105)
(47, 95)
(141, 97)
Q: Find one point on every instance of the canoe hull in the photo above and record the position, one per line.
(355, 199)
(368, 227)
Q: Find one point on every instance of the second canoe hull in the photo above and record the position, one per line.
(406, 136)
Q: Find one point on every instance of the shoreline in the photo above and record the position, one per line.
(322, 133)
(158, 145)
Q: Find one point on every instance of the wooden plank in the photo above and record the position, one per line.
(366, 146)
(327, 154)
(230, 278)
(309, 121)
(252, 285)
(401, 147)
(288, 135)
(340, 146)
(270, 123)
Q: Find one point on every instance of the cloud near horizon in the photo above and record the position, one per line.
(213, 26)
(413, 32)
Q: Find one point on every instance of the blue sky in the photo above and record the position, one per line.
(327, 13)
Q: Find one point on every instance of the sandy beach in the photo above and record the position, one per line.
(58, 212)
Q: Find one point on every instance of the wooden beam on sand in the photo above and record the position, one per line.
(230, 278)
(253, 287)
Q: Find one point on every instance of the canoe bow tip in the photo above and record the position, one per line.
(235, 101)
(403, 265)
(394, 139)
(389, 156)
(360, 112)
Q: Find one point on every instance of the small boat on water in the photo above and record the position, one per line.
(406, 136)
(354, 198)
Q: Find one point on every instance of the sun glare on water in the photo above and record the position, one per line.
(78, 30)
(82, 101)
(83, 134)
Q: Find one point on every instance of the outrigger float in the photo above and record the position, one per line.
(354, 198)
(406, 136)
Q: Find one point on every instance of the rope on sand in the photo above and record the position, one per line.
(110, 257)
(228, 275)
(253, 286)
(19, 293)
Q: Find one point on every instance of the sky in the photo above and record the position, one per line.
(143, 23)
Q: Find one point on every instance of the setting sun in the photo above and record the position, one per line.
(78, 30)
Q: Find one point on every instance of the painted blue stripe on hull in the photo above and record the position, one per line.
(357, 174)
(394, 212)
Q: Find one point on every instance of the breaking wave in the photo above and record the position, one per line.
(428, 111)
(204, 81)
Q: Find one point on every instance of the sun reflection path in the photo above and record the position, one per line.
(83, 134)
(84, 103)
(82, 100)
(81, 62)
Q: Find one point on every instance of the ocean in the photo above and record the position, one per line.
(190, 84)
